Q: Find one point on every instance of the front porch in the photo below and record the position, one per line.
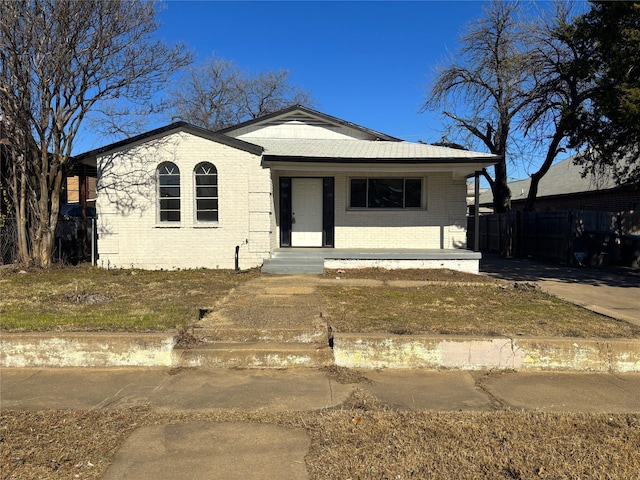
(315, 260)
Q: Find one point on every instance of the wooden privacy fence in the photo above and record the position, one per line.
(576, 237)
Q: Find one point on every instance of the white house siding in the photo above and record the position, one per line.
(297, 129)
(457, 219)
(439, 225)
(130, 236)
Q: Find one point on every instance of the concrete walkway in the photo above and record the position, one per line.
(241, 450)
(612, 293)
(307, 389)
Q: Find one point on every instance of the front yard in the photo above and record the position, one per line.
(470, 309)
(401, 302)
(88, 299)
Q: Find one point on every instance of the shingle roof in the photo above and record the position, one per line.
(323, 149)
(563, 178)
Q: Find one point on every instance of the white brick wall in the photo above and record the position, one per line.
(130, 234)
(441, 224)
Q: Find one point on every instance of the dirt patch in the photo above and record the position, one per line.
(345, 375)
(86, 298)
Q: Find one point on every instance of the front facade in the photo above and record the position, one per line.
(184, 197)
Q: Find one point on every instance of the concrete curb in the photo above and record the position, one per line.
(254, 355)
(73, 349)
(477, 353)
(350, 350)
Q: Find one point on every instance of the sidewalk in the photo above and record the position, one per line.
(240, 450)
(604, 291)
(306, 389)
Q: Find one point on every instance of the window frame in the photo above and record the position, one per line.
(167, 198)
(368, 199)
(196, 198)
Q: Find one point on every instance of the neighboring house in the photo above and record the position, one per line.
(471, 198)
(297, 180)
(565, 188)
(79, 185)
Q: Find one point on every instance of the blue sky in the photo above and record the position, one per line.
(365, 62)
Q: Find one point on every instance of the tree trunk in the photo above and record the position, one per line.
(500, 189)
(20, 186)
(552, 153)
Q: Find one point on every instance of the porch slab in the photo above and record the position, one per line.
(294, 260)
(379, 253)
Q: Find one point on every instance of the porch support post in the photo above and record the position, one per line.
(83, 187)
(476, 221)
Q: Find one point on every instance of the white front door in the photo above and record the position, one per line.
(306, 212)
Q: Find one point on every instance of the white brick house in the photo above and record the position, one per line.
(184, 197)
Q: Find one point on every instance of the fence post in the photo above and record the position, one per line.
(517, 240)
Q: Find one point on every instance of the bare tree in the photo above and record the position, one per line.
(59, 62)
(486, 85)
(217, 94)
(560, 93)
(207, 94)
(268, 92)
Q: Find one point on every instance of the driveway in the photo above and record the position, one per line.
(615, 293)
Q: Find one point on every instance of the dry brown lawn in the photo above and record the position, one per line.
(89, 299)
(456, 303)
(405, 302)
(360, 440)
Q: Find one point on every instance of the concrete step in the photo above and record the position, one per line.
(254, 355)
(277, 335)
(299, 253)
(292, 265)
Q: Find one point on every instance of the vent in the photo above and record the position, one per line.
(300, 118)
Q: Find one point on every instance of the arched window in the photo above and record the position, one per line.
(206, 179)
(169, 192)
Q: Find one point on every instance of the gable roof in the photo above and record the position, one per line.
(173, 128)
(306, 113)
(385, 149)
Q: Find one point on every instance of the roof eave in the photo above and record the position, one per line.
(483, 161)
(172, 128)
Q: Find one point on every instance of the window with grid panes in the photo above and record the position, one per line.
(206, 180)
(169, 192)
(385, 193)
